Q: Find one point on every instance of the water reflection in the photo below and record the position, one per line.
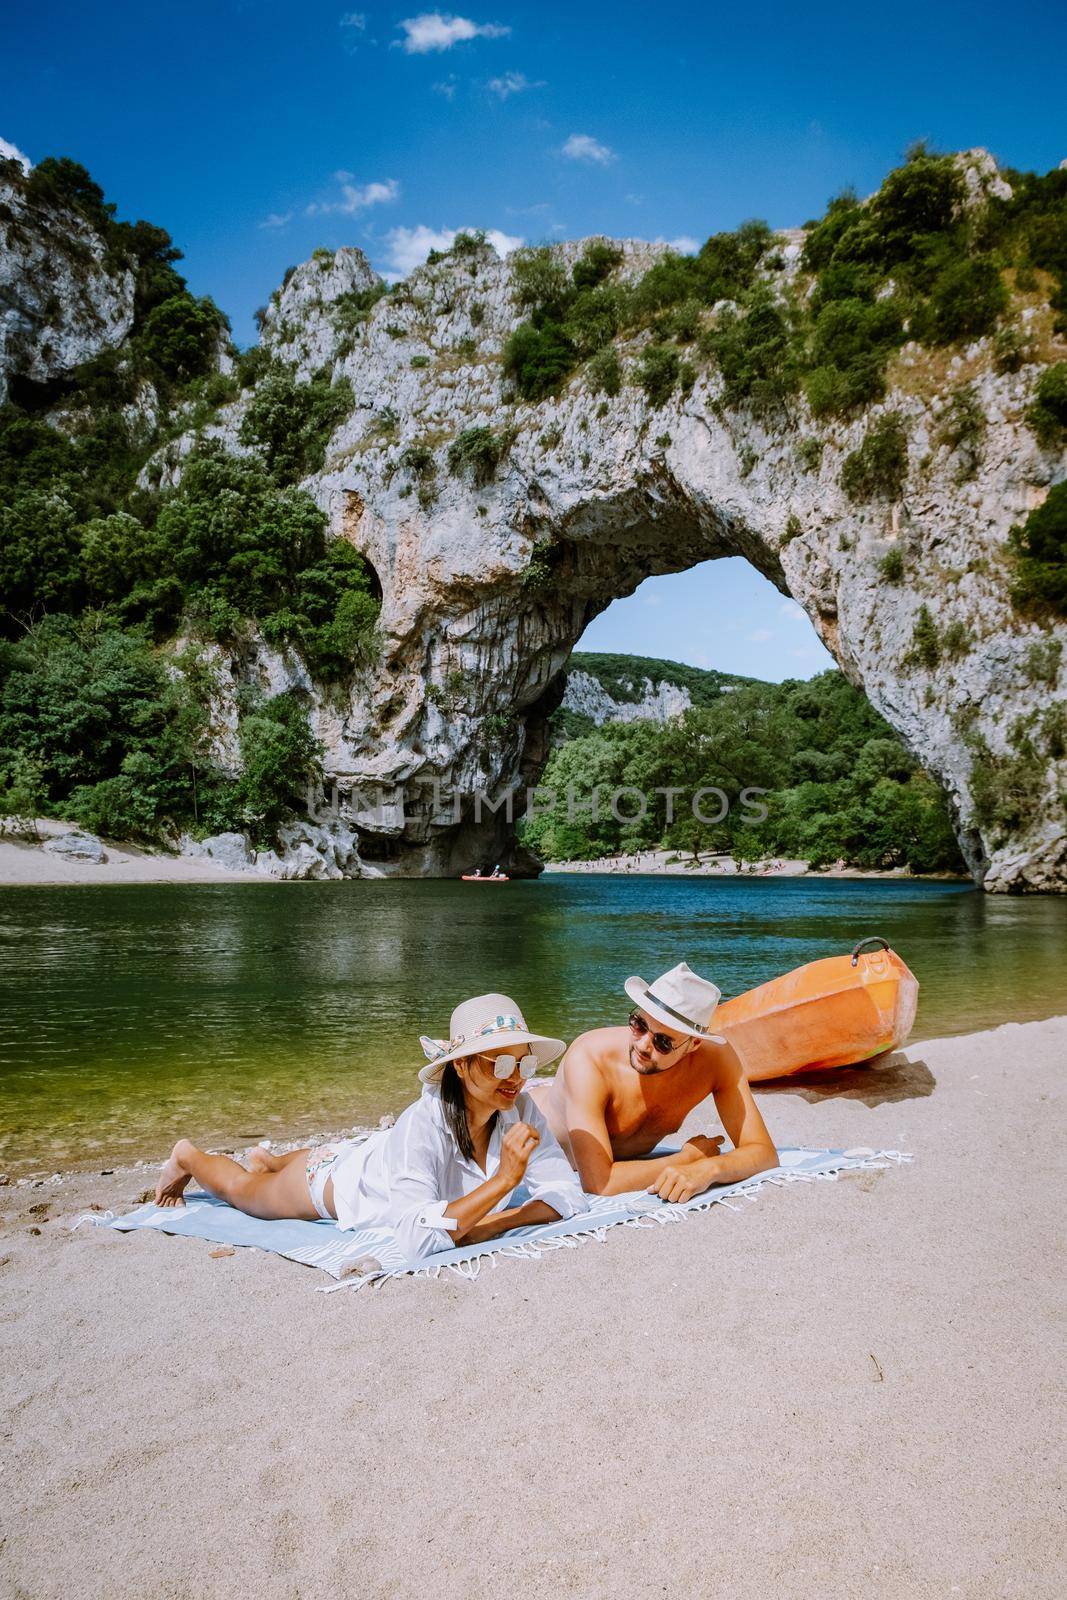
(231, 1010)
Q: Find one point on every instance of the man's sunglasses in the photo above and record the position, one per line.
(660, 1041)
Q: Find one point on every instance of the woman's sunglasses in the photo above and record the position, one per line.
(504, 1066)
(660, 1041)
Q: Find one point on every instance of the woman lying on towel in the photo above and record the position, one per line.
(439, 1175)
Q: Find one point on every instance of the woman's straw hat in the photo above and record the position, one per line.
(682, 1001)
(488, 1022)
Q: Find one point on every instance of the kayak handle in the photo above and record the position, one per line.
(874, 939)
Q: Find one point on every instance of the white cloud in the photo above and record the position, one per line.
(277, 219)
(583, 147)
(760, 635)
(355, 197)
(447, 87)
(11, 152)
(652, 599)
(790, 609)
(435, 30)
(683, 244)
(409, 247)
(512, 83)
(356, 20)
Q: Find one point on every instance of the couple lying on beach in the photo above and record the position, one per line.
(446, 1173)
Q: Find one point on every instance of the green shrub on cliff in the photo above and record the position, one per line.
(1039, 546)
(475, 454)
(539, 360)
(290, 423)
(596, 262)
(966, 300)
(755, 354)
(878, 468)
(658, 372)
(1047, 414)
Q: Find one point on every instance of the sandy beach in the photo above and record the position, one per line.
(24, 864)
(842, 1389)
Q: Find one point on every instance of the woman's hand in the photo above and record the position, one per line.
(517, 1146)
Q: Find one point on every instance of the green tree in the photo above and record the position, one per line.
(39, 555)
(966, 301)
(281, 757)
(180, 336)
(539, 360)
(1039, 546)
(290, 423)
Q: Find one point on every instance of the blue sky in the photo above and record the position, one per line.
(721, 614)
(255, 130)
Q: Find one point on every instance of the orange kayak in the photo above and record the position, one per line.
(470, 877)
(831, 1013)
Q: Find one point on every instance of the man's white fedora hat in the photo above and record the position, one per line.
(488, 1022)
(682, 1001)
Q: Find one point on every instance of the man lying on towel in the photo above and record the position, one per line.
(619, 1091)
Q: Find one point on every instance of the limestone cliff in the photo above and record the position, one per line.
(62, 300)
(657, 702)
(488, 585)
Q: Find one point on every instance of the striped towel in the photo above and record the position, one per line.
(324, 1245)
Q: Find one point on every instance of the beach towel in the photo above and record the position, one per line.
(343, 1254)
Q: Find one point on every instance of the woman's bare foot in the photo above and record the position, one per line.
(260, 1159)
(173, 1178)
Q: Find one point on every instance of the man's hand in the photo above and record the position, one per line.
(676, 1184)
(699, 1148)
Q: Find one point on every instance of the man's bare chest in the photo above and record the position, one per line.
(637, 1117)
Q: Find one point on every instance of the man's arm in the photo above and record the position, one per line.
(753, 1150)
(585, 1103)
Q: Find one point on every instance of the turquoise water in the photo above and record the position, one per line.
(131, 1014)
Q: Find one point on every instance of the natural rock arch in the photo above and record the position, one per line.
(487, 586)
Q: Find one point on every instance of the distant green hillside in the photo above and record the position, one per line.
(623, 677)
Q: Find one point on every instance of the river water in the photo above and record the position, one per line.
(130, 1014)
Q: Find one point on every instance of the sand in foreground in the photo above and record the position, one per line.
(841, 1389)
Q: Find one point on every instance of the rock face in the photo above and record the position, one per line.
(307, 850)
(488, 585)
(659, 702)
(302, 325)
(487, 588)
(77, 847)
(61, 301)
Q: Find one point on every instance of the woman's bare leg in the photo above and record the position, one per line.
(260, 1159)
(271, 1195)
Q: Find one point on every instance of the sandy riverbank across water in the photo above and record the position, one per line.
(711, 864)
(25, 864)
(844, 1389)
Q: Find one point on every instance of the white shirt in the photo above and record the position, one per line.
(403, 1177)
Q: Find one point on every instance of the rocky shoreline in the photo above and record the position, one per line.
(60, 854)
